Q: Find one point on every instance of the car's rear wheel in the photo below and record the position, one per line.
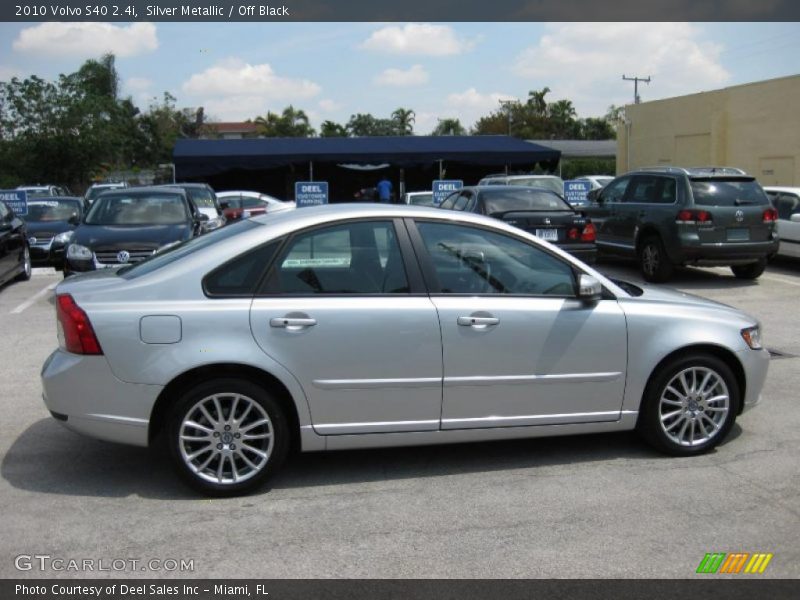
(690, 405)
(226, 436)
(653, 260)
(27, 266)
(750, 270)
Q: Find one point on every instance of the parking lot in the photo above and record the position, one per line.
(591, 506)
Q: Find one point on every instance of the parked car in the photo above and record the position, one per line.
(15, 256)
(538, 211)
(786, 201)
(668, 216)
(597, 181)
(43, 191)
(51, 222)
(548, 182)
(237, 204)
(204, 201)
(418, 198)
(98, 188)
(367, 325)
(128, 225)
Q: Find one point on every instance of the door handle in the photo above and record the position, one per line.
(292, 322)
(481, 322)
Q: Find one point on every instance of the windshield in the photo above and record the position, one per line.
(421, 199)
(549, 183)
(509, 200)
(728, 192)
(138, 209)
(178, 251)
(201, 197)
(53, 210)
(36, 192)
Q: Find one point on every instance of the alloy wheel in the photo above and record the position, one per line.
(693, 406)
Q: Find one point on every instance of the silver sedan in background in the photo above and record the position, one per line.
(354, 326)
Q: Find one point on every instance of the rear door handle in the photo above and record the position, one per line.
(292, 322)
(478, 322)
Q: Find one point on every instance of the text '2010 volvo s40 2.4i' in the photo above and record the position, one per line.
(353, 326)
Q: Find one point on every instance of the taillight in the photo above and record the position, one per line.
(573, 234)
(79, 337)
(694, 217)
(589, 233)
(770, 215)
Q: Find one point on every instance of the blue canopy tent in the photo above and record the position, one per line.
(245, 163)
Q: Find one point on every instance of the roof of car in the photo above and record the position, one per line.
(782, 188)
(186, 185)
(151, 189)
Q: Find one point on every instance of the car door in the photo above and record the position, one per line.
(7, 260)
(649, 200)
(788, 206)
(345, 311)
(605, 213)
(518, 347)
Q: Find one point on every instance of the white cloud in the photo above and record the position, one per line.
(415, 75)
(327, 105)
(470, 105)
(234, 89)
(585, 62)
(422, 39)
(6, 73)
(58, 40)
(138, 84)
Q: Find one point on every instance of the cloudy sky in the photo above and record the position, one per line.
(332, 70)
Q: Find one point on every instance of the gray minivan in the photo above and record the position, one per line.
(670, 216)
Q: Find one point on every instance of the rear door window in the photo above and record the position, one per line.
(651, 189)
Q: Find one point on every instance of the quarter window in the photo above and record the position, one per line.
(353, 258)
(651, 189)
(469, 260)
(615, 190)
(240, 276)
(787, 205)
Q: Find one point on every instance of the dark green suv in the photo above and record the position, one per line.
(669, 216)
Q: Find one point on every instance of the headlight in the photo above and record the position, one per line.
(63, 238)
(214, 223)
(752, 337)
(78, 252)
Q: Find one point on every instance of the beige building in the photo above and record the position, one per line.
(755, 127)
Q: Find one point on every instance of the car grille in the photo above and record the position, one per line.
(111, 257)
(43, 239)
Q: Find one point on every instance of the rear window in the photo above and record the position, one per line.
(554, 184)
(727, 192)
(201, 197)
(509, 200)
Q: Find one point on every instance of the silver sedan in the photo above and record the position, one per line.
(355, 326)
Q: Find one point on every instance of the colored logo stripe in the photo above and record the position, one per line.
(711, 562)
(758, 563)
(733, 563)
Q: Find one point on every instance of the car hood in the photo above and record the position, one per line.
(665, 295)
(50, 227)
(111, 236)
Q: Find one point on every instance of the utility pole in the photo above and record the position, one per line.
(636, 80)
(506, 104)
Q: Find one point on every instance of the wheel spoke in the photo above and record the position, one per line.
(683, 430)
(249, 462)
(674, 391)
(196, 425)
(717, 409)
(702, 427)
(720, 398)
(220, 467)
(668, 416)
(676, 422)
(691, 432)
(232, 416)
(685, 384)
(206, 462)
(253, 425)
(197, 453)
(195, 438)
(258, 436)
(234, 472)
(245, 413)
(218, 408)
(713, 423)
(261, 453)
(207, 415)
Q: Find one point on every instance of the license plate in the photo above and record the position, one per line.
(738, 235)
(551, 235)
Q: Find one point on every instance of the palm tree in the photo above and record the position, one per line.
(404, 120)
(331, 129)
(449, 127)
(537, 102)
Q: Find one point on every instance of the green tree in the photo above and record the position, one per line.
(364, 124)
(291, 122)
(331, 129)
(449, 127)
(404, 121)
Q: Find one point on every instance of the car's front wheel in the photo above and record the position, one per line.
(750, 270)
(655, 264)
(226, 436)
(27, 266)
(690, 405)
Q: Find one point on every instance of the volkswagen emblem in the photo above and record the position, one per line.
(546, 221)
(739, 216)
(32, 241)
(123, 256)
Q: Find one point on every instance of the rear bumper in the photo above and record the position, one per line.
(724, 254)
(86, 397)
(585, 252)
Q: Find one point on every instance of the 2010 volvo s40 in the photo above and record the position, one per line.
(352, 326)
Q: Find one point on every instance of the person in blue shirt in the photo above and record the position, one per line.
(384, 190)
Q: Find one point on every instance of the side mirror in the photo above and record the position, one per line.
(201, 217)
(795, 218)
(589, 289)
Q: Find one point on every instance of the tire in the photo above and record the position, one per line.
(210, 454)
(653, 261)
(27, 268)
(682, 420)
(750, 270)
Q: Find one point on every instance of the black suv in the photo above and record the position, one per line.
(669, 216)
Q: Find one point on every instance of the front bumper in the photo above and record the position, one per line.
(756, 365)
(87, 398)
